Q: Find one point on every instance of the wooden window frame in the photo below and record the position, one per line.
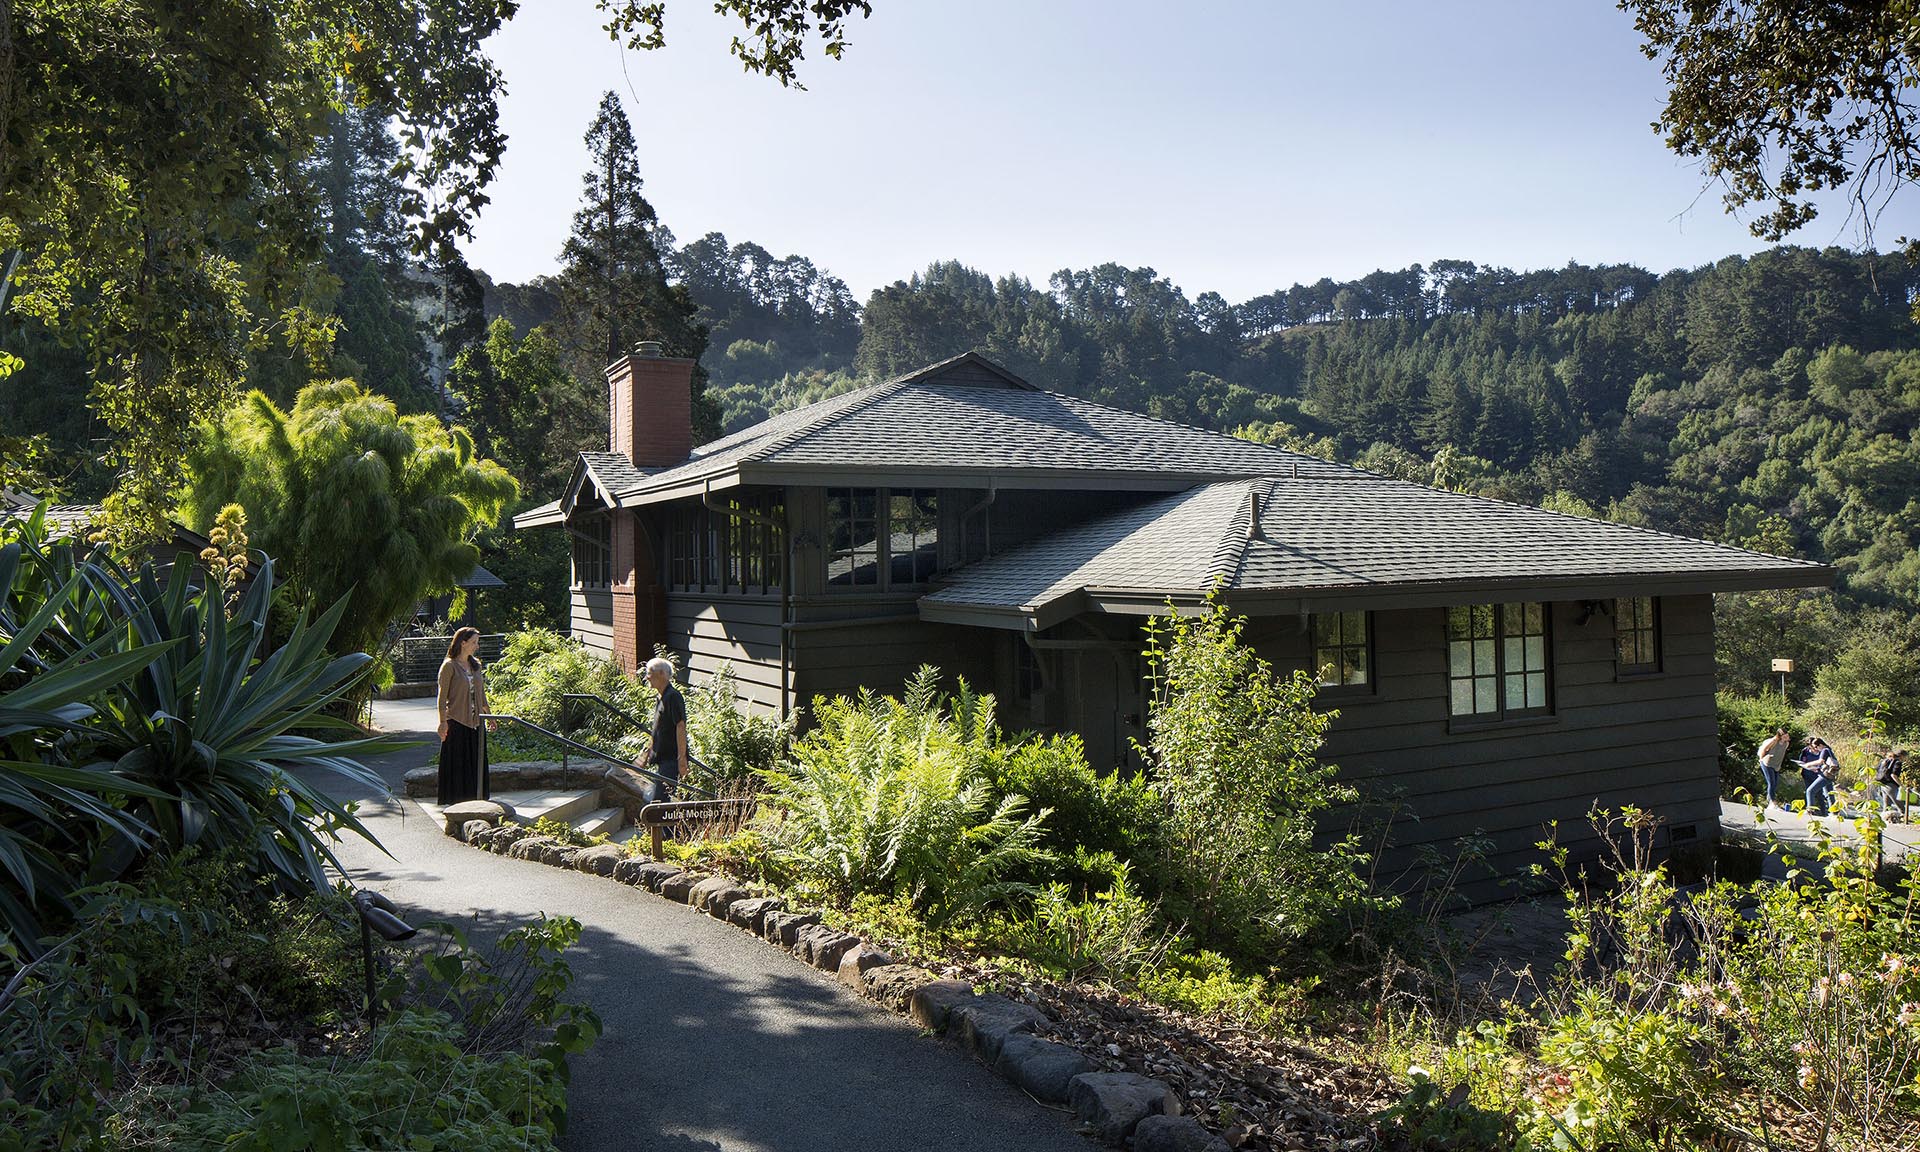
(726, 552)
(1341, 646)
(592, 554)
(883, 533)
(1624, 627)
(1500, 641)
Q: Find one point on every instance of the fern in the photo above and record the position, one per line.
(895, 797)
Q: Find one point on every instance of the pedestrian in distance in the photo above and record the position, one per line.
(666, 753)
(463, 700)
(1773, 757)
(1886, 782)
(1820, 768)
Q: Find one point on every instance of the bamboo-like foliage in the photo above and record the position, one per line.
(358, 502)
(895, 796)
(137, 716)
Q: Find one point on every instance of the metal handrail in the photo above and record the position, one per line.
(632, 721)
(589, 750)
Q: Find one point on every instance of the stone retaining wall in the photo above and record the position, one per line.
(1123, 1109)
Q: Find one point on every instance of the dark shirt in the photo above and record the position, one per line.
(667, 719)
(1888, 770)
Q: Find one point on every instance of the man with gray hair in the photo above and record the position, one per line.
(668, 746)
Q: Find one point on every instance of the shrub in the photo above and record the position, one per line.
(1116, 935)
(1096, 823)
(539, 667)
(734, 743)
(1233, 754)
(894, 796)
(1205, 984)
(1746, 722)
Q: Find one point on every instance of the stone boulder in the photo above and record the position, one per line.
(422, 783)
(599, 860)
(1175, 1134)
(715, 895)
(932, 1003)
(783, 927)
(984, 1023)
(455, 816)
(506, 836)
(1111, 1104)
(561, 855)
(679, 886)
(530, 847)
(1040, 1066)
(654, 873)
(471, 830)
(751, 914)
(894, 984)
(855, 964)
(822, 946)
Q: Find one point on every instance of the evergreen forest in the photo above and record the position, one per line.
(1770, 401)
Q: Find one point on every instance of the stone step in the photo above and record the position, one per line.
(553, 803)
(602, 821)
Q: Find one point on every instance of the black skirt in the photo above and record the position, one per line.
(463, 764)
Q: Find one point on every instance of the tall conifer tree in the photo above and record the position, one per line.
(612, 286)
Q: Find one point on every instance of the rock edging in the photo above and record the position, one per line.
(1116, 1107)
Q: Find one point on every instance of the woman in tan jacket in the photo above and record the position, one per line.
(463, 699)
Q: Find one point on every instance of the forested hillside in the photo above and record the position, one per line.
(1771, 401)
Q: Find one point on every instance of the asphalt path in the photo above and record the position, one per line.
(712, 1039)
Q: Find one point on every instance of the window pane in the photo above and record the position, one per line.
(1460, 658)
(1462, 702)
(1483, 696)
(1357, 664)
(1625, 648)
(1353, 627)
(1483, 620)
(1515, 654)
(1536, 653)
(1511, 620)
(1536, 689)
(1483, 657)
(1516, 692)
(1536, 618)
(1326, 665)
(1648, 656)
(1459, 623)
(1326, 631)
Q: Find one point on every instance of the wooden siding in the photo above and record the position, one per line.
(1649, 741)
(708, 631)
(847, 656)
(591, 619)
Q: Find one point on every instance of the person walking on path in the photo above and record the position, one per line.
(1820, 768)
(463, 700)
(1886, 782)
(667, 746)
(1773, 756)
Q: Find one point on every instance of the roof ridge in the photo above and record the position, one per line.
(1661, 532)
(1230, 550)
(794, 435)
(1291, 453)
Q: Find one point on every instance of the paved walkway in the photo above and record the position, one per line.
(1741, 824)
(712, 1041)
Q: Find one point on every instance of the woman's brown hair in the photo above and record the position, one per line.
(461, 637)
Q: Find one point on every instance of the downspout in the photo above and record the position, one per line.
(786, 584)
(986, 502)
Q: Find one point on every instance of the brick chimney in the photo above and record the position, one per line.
(650, 407)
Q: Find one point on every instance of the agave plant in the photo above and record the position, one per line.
(138, 716)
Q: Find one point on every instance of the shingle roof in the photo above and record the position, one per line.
(612, 471)
(968, 415)
(1357, 534)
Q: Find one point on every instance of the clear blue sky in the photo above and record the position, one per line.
(1237, 147)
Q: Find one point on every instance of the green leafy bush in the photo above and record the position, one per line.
(1746, 722)
(539, 667)
(1116, 935)
(1206, 984)
(1097, 822)
(734, 743)
(894, 796)
(1232, 751)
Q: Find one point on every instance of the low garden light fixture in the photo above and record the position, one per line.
(377, 914)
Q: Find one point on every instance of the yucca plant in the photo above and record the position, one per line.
(164, 720)
(895, 797)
